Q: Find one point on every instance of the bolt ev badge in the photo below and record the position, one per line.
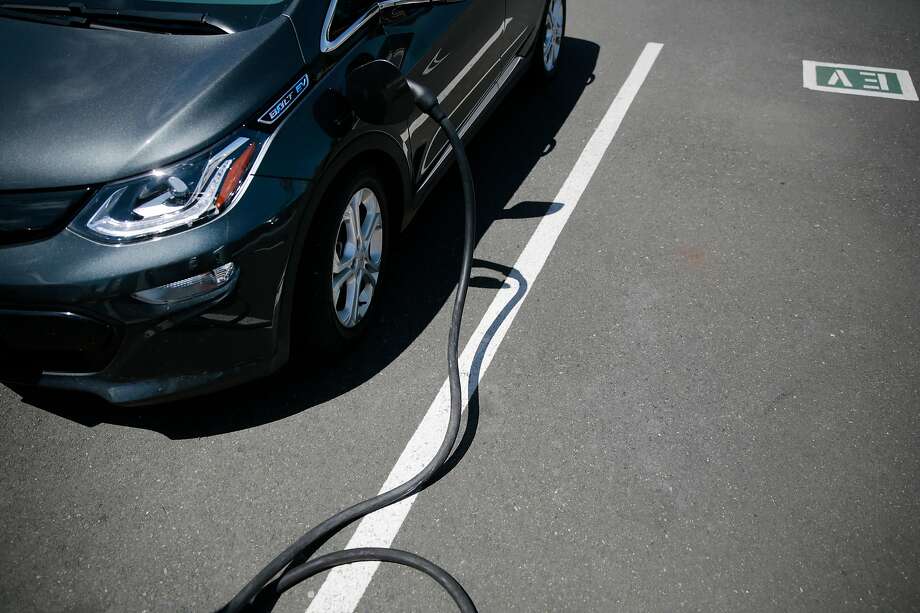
(284, 102)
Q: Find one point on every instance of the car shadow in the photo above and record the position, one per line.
(506, 149)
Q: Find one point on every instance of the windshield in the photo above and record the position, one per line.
(236, 14)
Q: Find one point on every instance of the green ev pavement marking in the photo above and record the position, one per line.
(849, 78)
(858, 80)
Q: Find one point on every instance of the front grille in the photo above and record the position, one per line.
(32, 342)
(29, 215)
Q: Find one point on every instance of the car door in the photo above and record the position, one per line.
(455, 50)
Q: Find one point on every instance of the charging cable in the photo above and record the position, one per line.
(379, 93)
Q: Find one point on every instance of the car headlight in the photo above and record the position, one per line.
(174, 197)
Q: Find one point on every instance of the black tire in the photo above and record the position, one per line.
(538, 69)
(317, 331)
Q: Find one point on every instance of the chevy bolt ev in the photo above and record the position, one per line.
(186, 197)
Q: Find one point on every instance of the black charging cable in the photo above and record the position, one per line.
(294, 565)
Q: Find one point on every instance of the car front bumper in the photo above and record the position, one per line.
(68, 318)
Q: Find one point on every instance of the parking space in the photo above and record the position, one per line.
(707, 401)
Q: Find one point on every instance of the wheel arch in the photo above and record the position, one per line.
(380, 150)
(377, 149)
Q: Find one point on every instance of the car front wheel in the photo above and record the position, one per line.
(549, 43)
(345, 266)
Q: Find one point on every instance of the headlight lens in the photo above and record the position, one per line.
(175, 197)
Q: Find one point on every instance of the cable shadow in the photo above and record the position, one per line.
(528, 210)
(519, 133)
(476, 367)
(268, 598)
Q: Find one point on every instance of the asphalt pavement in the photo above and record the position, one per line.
(708, 400)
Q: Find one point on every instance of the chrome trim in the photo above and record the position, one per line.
(388, 4)
(448, 90)
(328, 46)
(425, 163)
(241, 190)
(475, 114)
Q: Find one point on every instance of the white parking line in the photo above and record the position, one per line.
(345, 585)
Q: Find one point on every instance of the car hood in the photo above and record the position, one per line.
(85, 106)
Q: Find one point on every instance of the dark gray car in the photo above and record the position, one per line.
(186, 197)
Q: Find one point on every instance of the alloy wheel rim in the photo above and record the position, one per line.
(552, 39)
(356, 257)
